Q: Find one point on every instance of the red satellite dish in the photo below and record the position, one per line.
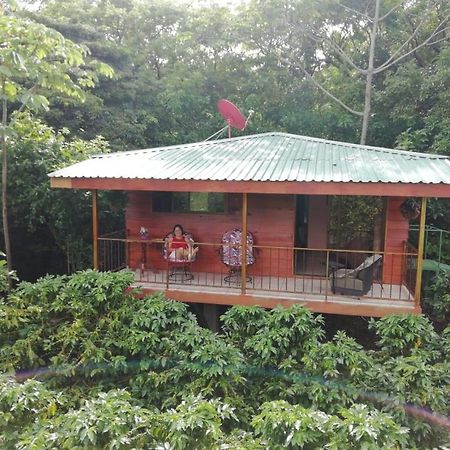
(232, 115)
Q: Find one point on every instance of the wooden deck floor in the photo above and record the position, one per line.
(312, 292)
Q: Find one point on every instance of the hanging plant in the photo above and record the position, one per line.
(410, 209)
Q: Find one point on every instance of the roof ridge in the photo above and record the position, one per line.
(343, 144)
(175, 146)
(363, 146)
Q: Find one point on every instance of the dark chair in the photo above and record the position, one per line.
(231, 254)
(179, 269)
(358, 281)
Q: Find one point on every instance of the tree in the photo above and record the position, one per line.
(44, 237)
(428, 23)
(35, 62)
(361, 39)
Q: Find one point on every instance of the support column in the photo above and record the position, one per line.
(94, 230)
(244, 243)
(423, 214)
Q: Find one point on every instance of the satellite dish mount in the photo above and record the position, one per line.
(234, 118)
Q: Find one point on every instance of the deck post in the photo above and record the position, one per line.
(244, 243)
(94, 229)
(420, 250)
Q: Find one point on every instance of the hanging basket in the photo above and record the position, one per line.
(410, 209)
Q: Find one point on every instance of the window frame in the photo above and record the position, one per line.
(172, 211)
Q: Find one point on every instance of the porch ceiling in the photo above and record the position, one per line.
(269, 162)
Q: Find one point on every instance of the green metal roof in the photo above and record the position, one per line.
(267, 157)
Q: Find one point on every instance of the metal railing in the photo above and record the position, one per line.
(113, 255)
(277, 269)
(437, 243)
(410, 267)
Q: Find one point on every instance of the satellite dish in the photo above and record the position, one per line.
(234, 118)
(231, 114)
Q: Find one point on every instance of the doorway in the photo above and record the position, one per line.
(301, 232)
(311, 234)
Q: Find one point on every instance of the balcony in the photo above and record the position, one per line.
(279, 276)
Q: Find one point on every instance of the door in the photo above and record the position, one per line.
(301, 231)
(311, 232)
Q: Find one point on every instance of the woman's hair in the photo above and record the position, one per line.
(178, 226)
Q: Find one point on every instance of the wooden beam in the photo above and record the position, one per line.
(94, 230)
(357, 308)
(423, 214)
(261, 187)
(65, 183)
(244, 243)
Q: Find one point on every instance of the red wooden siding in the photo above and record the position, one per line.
(395, 235)
(271, 220)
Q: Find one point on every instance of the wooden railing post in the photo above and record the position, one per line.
(420, 251)
(244, 244)
(94, 230)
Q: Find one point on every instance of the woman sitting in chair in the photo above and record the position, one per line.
(179, 246)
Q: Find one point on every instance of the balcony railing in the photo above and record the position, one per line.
(113, 255)
(289, 270)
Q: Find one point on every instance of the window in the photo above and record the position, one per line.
(194, 202)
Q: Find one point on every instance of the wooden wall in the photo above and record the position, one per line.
(396, 232)
(271, 219)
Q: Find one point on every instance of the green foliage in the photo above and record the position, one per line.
(401, 334)
(436, 300)
(242, 322)
(4, 275)
(342, 356)
(42, 59)
(282, 425)
(119, 371)
(21, 404)
(60, 321)
(274, 335)
(41, 229)
(109, 420)
(194, 424)
(352, 221)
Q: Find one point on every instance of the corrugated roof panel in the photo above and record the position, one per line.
(267, 157)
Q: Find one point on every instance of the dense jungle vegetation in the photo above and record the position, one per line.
(84, 363)
(92, 367)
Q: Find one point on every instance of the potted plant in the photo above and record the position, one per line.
(143, 233)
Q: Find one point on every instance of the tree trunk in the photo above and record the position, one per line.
(369, 76)
(5, 192)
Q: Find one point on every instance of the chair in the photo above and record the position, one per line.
(179, 269)
(231, 254)
(358, 281)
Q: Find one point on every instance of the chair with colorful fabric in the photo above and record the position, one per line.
(179, 252)
(231, 254)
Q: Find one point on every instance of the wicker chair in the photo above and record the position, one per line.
(179, 269)
(231, 254)
(358, 281)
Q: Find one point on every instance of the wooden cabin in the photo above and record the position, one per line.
(285, 190)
